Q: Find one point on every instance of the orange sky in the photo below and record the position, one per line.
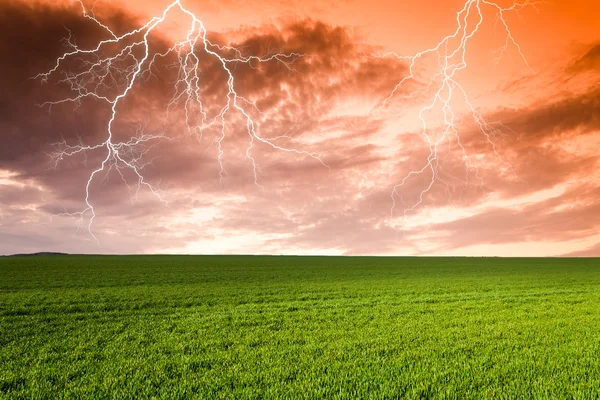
(526, 186)
(399, 24)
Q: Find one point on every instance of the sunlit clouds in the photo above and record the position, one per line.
(529, 189)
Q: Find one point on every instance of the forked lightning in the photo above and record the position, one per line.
(124, 69)
(451, 54)
(111, 77)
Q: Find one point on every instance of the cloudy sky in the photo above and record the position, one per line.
(319, 150)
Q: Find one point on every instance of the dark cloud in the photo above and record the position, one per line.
(588, 62)
(570, 116)
(532, 151)
(32, 37)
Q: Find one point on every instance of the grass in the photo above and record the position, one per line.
(298, 327)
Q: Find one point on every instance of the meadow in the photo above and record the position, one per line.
(179, 327)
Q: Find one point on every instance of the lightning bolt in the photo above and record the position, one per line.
(451, 54)
(109, 76)
(100, 72)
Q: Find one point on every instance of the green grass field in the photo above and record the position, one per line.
(298, 327)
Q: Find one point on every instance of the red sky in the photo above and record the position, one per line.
(528, 185)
